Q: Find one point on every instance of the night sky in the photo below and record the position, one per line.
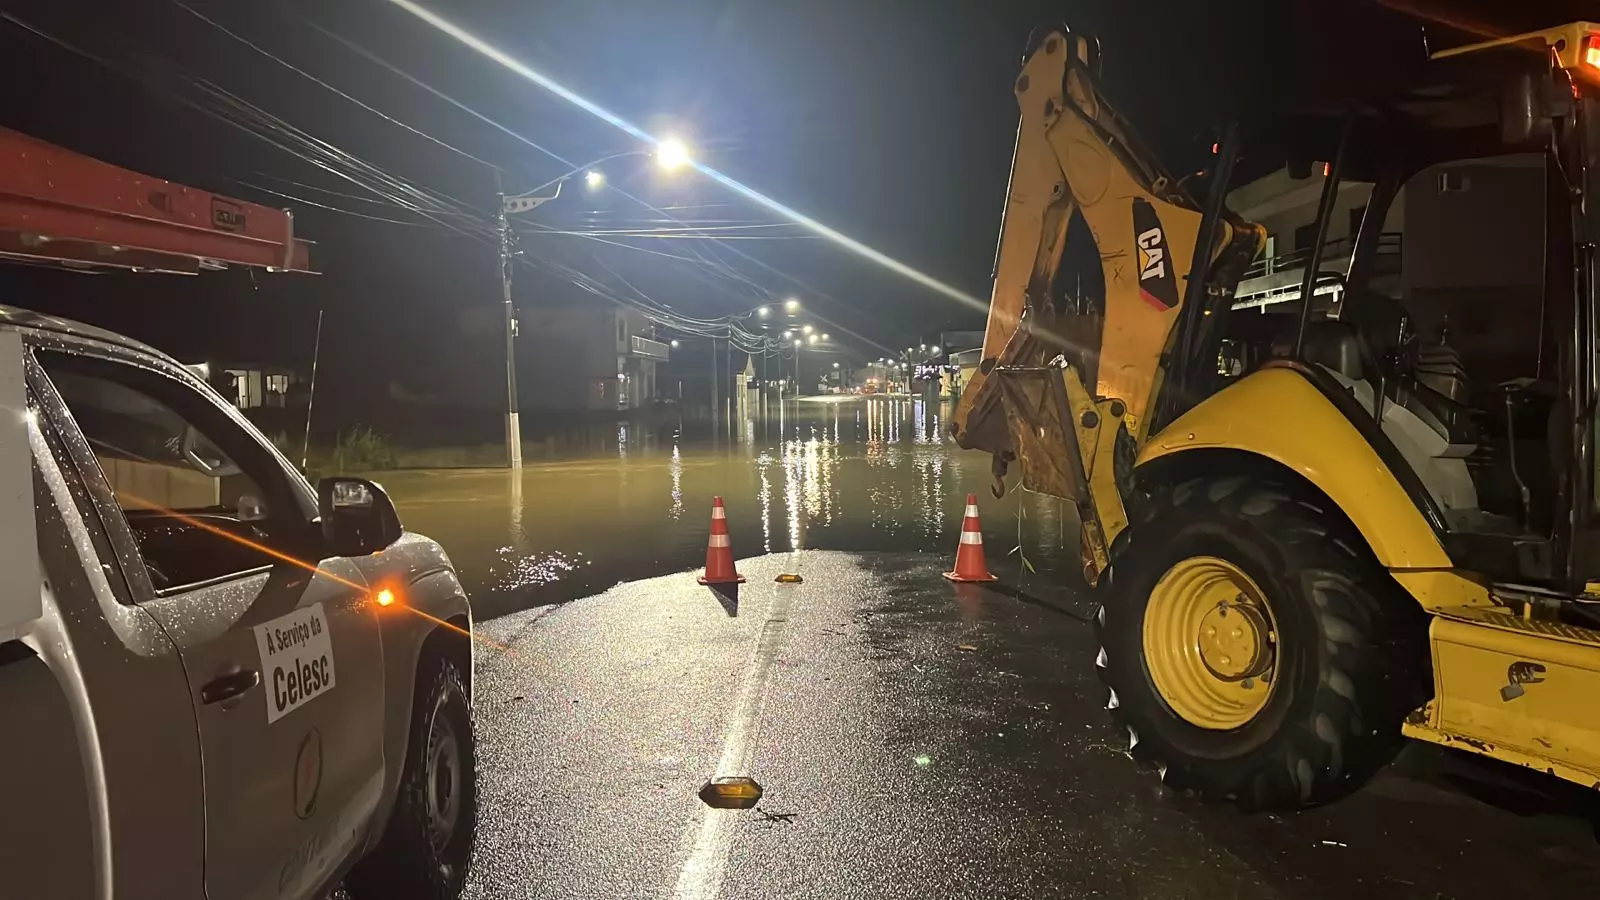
(891, 120)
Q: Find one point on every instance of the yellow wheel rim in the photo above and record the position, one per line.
(1210, 643)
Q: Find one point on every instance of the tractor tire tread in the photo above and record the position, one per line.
(1341, 727)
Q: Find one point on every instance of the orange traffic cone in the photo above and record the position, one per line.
(970, 565)
(719, 553)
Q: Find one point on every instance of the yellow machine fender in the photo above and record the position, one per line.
(1279, 414)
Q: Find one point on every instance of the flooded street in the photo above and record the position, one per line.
(889, 716)
(837, 473)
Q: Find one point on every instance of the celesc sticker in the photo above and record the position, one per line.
(296, 659)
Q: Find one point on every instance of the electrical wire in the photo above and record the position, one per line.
(348, 212)
(440, 209)
(326, 86)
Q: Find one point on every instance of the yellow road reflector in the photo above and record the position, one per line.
(731, 792)
(789, 578)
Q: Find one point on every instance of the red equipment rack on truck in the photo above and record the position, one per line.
(64, 209)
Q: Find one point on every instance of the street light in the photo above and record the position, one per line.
(836, 365)
(789, 334)
(812, 339)
(672, 154)
(807, 329)
(763, 312)
(827, 337)
(934, 350)
(791, 306)
(674, 342)
(797, 342)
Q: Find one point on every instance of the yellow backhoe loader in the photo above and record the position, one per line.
(1319, 526)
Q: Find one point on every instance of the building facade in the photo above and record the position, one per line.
(586, 355)
(1467, 237)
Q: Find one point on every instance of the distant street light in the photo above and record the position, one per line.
(924, 346)
(812, 339)
(836, 365)
(791, 306)
(763, 312)
(674, 342)
(807, 329)
(671, 154)
(934, 350)
(594, 179)
(788, 334)
(827, 337)
(911, 350)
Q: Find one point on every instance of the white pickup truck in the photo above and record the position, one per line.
(216, 682)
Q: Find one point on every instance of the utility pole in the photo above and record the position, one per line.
(513, 423)
(714, 390)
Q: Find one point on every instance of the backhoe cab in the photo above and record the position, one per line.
(1320, 524)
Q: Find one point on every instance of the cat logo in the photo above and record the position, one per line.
(1157, 285)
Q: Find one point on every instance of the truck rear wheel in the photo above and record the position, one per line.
(1254, 649)
(427, 847)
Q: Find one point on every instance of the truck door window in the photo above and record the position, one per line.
(169, 456)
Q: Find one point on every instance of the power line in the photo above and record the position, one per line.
(348, 212)
(326, 86)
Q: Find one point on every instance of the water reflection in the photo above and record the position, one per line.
(765, 463)
(675, 469)
(875, 474)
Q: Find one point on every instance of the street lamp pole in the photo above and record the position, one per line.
(714, 390)
(670, 153)
(513, 423)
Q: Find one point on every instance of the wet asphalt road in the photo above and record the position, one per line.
(916, 739)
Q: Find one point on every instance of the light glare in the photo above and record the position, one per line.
(671, 154)
(600, 112)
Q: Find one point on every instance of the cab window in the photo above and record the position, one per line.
(202, 498)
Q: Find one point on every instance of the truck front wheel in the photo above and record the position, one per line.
(427, 847)
(1254, 649)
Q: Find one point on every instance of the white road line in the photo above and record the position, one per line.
(708, 837)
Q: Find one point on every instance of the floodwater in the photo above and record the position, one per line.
(836, 473)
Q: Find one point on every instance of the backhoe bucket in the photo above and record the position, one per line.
(1037, 413)
(1057, 433)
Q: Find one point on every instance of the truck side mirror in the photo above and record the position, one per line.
(358, 518)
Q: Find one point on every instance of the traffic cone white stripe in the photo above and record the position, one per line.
(718, 512)
(972, 511)
(719, 540)
(971, 537)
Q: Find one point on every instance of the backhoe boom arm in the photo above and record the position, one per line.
(1076, 160)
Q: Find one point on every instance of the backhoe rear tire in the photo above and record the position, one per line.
(1347, 647)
